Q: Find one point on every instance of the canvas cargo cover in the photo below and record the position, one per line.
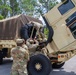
(10, 27)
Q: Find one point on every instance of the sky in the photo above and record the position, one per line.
(59, 0)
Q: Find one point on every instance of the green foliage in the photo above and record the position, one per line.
(47, 5)
(28, 7)
(14, 5)
(4, 8)
(46, 31)
(1, 17)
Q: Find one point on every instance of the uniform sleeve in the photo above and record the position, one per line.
(30, 46)
(27, 54)
(12, 52)
(38, 25)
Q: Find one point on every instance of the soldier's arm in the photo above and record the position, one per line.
(32, 45)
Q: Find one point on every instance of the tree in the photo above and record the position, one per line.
(27, 6)
(36, 7)
(46, 5)
(4, 8)
(14, 5)
(1, 17)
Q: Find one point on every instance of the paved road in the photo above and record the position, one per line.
(68, 69)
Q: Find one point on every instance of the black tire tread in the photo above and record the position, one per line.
(43, 59)
(57, 66)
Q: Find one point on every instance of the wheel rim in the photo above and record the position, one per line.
(38, 66)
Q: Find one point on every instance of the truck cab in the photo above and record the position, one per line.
(61, 40)
(62, 18)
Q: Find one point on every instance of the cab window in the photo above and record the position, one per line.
(70, 17)
(66, 7)
(72, 26)
(73, 29)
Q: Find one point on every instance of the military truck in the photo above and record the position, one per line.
(10, 31)
(60, 45)
(61, 41)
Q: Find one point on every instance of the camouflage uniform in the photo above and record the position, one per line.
(40, 37)
(20, 58)
(32, 46)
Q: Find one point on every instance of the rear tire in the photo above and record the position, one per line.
(1, 57)
(1, 61)
(39, 65)
(57, 65)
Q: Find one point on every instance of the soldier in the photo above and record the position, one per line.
(39, 35)
(20, 57)
(38, 40)
(32, 45)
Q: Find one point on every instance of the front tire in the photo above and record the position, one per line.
(39, 65)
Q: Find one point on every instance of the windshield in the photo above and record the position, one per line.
(66, 7)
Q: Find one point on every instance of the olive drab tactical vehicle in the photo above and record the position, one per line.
(61, 42)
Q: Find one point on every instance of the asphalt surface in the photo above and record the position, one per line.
(68, 69)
